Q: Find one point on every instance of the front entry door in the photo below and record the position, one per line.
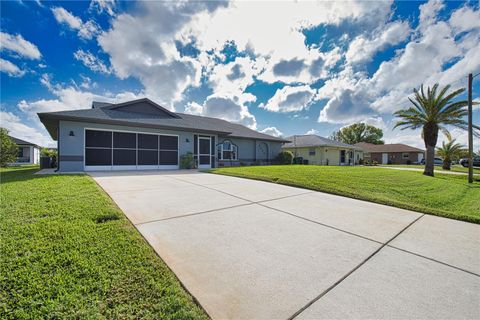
(204, 153)
(384, 158)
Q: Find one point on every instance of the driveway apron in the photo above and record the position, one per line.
(248, 249)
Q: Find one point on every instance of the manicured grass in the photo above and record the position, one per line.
(68, 252)
(444, 195)
(454, 168)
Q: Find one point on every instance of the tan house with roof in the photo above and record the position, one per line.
(322, 151)
(394, 153)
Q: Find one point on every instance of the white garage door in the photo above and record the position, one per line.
(121, 150)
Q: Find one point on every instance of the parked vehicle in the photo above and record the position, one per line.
(476, 162)
(436, 161)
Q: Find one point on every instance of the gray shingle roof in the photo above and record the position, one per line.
(22, 142)
(105, 113)
(311, 140)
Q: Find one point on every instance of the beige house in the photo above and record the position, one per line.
(322, 151)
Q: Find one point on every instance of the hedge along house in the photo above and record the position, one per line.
(322, 151)
(141, 134)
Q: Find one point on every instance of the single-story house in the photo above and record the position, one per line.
(141, 134)
(322, 151)
(28, 152)
(394, 153)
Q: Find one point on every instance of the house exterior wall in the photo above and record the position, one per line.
(323, 155)
(71, 148)
(250, 150)
(396, 157)
(33, 155)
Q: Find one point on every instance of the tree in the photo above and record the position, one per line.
(449, 151)
(359, 132)
(8, 148)
(432, 112)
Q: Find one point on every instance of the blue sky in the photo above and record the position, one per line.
(281, 68)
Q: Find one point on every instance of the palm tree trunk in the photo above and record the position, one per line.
(430, 136)
(447, 163)
(429, 161)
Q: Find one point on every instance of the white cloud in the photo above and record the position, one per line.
(290, 99)
(10, 68)
(142, 45)
(17, 44)
(101, 6)
(273, 131)
(277, 34)
(69, 98)
(465, 19)
(85, 30)
(353, 96)
(228, 108)
(90, 61)
(429, 12)
(18, 129)
(313, 131)
(363, 49)
(346, 106)
(234, 77)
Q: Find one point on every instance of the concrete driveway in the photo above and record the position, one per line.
(255, 250)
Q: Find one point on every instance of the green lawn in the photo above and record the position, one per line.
(444, 195)
(454, 168)
(68, 252)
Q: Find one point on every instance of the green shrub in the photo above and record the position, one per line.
(374, 163)
(285, 157)
(186, 161)
(8, 148)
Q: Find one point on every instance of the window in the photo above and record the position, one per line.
(405, 155)
(311, 151)
(227, 151)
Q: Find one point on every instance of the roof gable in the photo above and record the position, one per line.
(142, 106)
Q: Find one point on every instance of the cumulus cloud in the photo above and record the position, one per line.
(234, 77)
(18, 129)
(101, 6)
(312, 131)
(273, 131)
(228, 108)
(90, 61)
(434, 44)
(345, 107)
(143, 45)
(18, 45)
(363, 49)
(85, 30)
(10, 68)
(290, 99)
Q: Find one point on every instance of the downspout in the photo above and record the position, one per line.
(58, 148)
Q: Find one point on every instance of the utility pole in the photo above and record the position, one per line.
(470, 130)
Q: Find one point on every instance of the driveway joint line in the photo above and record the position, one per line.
(320, 223)
(435, 260)
(194, 213)
(321, 295)
(229, 194)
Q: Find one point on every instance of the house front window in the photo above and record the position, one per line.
(405, 155)
(227, 151)
(311, 151)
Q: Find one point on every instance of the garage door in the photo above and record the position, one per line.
(116, 150)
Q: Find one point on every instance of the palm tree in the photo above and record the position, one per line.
(449, 151)
(433, 112)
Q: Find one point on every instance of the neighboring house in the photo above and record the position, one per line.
(28, 153)
(395, 153)
(140, 134)
(322, 151)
